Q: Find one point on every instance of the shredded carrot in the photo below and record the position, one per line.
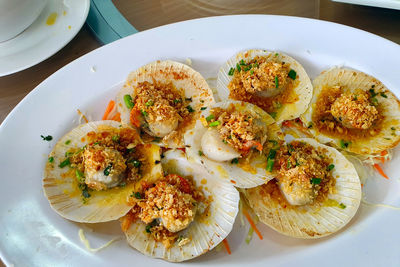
(226, 244)
(134, 116)
(362, 186)
(383, 154)
(83, 116)
(381, 172)
(109, 108)
(116, 117)
(252, 224)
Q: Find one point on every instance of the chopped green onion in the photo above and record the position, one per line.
(276, 54)
(235, 161)
(188, 99)
(128, 101)
(252, 72)
(50, 159)
(291, 148)
(107, 170)
(85, 192)
(276, 82)
(231, 72)
(330, 167)
(214, 123)
(242, 62)
(238, 67)
(176, 101)
(372, 92)
(315, 180)
(273, 142)
(392, 128)
(342, 206)
(149, 103)
(137, 195)
(79, 175)
(115, 138)
(47, 138)
(210, 117)
(66, 162)
(144, 113)
(224, 141)
(201, 153)
(383, 95)
(271, 159)
(292, 74)
(374, 101)
(344, 144)
(68, 142)
(135, 163)
(289, 164)
(203, 108)
(190, 109)
(148, 228)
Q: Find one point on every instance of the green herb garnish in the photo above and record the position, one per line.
(144, 113)
(135, 163)
(79, 175)
(107, 170)
(330, 167)
(242, 62)
(115, 138)
(50, 159)
(176, 101)
(276, 82)
(149, 103)
(190, 109)
(68, 142)
(315, 180)
(231, 71)
(210, 117)
(137, 195)
(47, 138)
(383, 95)
(203, 108)
(238, 67)
(201, 153)
(214, 123)
(66, 162)
(289, 164)
(271, 159)
(292, 74)
(342, 206)
(235, 161)
(128, 101)
(372, 92)
(344, 144)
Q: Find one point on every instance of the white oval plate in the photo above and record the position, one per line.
(33, 234)
(40, 41)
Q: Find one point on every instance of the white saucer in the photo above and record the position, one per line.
(40, 40)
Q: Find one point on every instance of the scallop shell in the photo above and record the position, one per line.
(303, 89)
(205, 233)
(247, 176)
(311, 221)
(61, 188)
(182, 76)
(352, 80)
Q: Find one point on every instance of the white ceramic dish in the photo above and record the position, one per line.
(33, 234)
(393, 4)
(40, 40)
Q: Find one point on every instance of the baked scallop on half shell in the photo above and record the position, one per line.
(163, 98)
(209, 226)
(353, 111)
(313, 220)
(271, 80)
(64, 182)
(214, 142)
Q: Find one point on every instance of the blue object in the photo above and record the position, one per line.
(107, 23)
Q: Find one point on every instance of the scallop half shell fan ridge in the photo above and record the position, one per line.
(181, 76)
(205, 233)
(303, 89)
(312, 221)
(352, 80)
(255, 174)
(61, 188)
